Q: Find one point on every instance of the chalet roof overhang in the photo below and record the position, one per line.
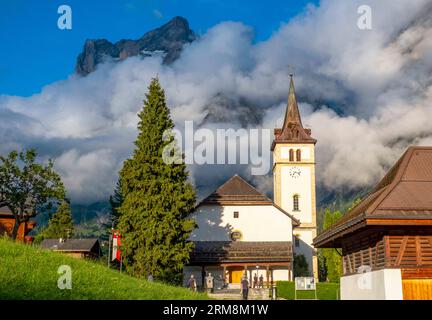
(401, 198)
(332, 238)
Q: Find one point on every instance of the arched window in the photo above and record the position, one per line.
(298, 155)
(296, 203)
(291, 155)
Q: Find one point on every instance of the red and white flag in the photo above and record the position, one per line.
(116, 245)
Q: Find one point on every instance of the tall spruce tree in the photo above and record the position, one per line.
(157, 198)
(61, 224)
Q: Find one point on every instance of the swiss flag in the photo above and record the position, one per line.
(116, 245)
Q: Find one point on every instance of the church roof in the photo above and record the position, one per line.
(241, 251)
(292, 130)
(237, 191)
(403, 196)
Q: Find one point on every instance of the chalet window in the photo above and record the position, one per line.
(296, 203)
(298, 155)
(236, 214)
(291, 155)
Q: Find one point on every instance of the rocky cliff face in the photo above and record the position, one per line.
(167, 41)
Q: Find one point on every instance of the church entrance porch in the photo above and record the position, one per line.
(269, 272)
(235, 274)
(228, 262)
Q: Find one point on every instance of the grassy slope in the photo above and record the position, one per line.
(325, 291)
(27, 272)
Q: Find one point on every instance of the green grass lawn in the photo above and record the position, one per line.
(27, 272)
(325, 291)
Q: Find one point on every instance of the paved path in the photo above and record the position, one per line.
(235, 294)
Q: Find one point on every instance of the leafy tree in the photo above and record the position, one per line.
(27, 187)
(157, 197)
(301, 267)
(322, 268)
(61, 224)
(332, 259)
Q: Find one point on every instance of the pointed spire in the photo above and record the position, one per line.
(292, 114)
(292, 129)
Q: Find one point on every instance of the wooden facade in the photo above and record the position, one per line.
(379, 248)
(7, 222)
(392, 226)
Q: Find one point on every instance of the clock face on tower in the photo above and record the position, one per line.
(295, 172)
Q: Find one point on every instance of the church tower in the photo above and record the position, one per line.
(294, 178)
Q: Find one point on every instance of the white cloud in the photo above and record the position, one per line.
(379, 80)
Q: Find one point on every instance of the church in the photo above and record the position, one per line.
(240, 231)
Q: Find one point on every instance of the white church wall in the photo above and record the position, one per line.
(385, 284)
(306, 153)
(256, 223)
(301, 186)
(280, 274)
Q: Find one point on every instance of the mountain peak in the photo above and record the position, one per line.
(167, 40)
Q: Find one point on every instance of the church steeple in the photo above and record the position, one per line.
(292, 130)
(292, 114)
(294, 176)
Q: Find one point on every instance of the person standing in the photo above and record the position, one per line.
(255, 281)
(261, 282)
(192, 283)
(245, 287)
(209, 282)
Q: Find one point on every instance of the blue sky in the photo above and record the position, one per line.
(35, 52)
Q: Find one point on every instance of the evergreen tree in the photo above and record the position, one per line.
(157, 197)
(301, 267)
(332, 259)
(61, 223)
(115, 202)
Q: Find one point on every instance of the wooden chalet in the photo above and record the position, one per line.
(77, 248)
(7, 222)
(392, 227)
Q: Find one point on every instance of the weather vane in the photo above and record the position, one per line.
(291, 70)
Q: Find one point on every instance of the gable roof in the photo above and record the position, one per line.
(71, 245)
(237, 191)
(241, 251)
(404, 193)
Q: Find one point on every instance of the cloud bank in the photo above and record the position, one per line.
(366, 94)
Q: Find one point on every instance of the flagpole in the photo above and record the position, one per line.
(109, 240)
(121, 263)
(109, 248)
